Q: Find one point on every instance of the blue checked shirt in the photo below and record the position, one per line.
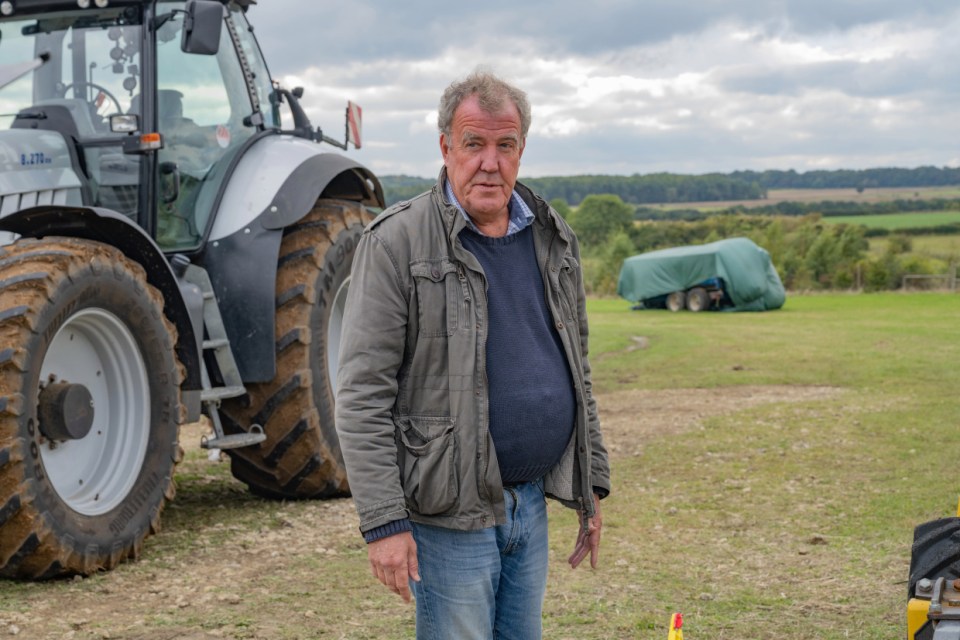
(521, 216)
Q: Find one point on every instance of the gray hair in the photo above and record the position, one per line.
(491, 91)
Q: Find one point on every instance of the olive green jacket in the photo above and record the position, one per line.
(412, 407)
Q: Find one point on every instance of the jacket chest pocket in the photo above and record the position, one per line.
(438, 297)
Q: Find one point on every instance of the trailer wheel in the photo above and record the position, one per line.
(676, 300)
(935, 551)
(698, 299)
(301, 456)
(81, 329)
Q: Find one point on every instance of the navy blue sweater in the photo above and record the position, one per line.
(530, 387)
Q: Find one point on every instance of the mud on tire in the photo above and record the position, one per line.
(79, 312)
(301, 456)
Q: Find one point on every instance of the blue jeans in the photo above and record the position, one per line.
(487, 583)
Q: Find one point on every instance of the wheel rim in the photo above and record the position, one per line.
(96, 349)
(334, 331)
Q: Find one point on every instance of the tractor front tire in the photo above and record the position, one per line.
(301, 456)
(81, 490)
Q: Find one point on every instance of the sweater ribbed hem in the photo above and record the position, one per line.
(387, 530)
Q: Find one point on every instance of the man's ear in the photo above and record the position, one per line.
(444, 150)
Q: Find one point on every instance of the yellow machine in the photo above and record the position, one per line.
(933, 611)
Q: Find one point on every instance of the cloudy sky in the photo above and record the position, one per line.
(638, 86)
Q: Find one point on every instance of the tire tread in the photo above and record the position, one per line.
(300, 457)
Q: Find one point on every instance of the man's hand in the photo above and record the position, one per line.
(588, 540)
(393, 561)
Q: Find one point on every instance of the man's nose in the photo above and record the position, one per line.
(489, 162)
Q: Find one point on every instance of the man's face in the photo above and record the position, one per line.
(483, 157)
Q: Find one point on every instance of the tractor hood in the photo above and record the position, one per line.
(35, 169)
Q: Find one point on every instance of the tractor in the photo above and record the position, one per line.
(169, 251)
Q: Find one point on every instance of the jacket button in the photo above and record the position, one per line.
(560, 326)
(435, 273)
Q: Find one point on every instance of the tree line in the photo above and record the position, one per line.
(672, 187)
(928, 176)
(636, 189)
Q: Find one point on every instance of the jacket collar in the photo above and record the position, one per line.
(544, 216)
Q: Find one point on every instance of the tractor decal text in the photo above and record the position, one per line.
(35, 158)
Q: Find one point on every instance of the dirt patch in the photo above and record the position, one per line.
(631, 418)
(230, 566)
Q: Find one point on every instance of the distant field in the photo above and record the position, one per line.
(945, 247)
(894, 221)
(819, 195)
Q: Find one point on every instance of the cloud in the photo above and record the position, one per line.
(626, 86)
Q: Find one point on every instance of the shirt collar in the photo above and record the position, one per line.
(521, 216)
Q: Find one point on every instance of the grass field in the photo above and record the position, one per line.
(774, 522)
(896, 221)
(768, 471)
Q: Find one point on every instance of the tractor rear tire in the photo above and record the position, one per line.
(301, 456)
(698, 299)
(79, 314)
(935, 552)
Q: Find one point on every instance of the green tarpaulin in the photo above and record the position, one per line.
(749, 278)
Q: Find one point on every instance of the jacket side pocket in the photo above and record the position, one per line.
(428, 463)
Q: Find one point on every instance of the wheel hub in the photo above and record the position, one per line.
(65, 411)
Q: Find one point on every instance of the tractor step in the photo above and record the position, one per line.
(236, 440)
(220, 393)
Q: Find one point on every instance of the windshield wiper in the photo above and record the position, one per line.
(11, 72)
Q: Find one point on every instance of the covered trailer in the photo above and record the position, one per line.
(733, 274)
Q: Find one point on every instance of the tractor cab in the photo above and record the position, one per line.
(86, 86)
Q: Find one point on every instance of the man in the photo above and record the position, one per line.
(464, 392)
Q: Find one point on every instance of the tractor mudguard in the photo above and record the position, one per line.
(278, 180)
(275, 184)
(111, 228)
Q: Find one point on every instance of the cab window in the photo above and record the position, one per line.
(202, 102)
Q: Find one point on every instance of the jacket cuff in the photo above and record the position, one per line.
(601, 492)
(386, 530)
